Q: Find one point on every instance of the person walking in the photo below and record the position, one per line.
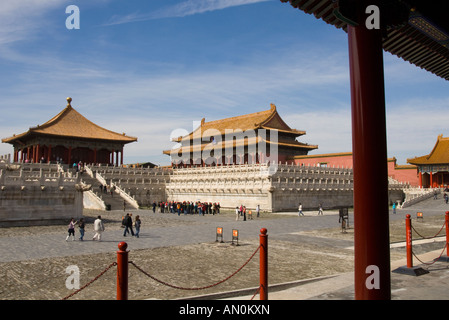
(71, 230)
(137, 224)
(300, 213)
(98, 228)
(237, 213)
(320, 209)
(81, 228)
(394, 207)
(257, 211)
(128, 221)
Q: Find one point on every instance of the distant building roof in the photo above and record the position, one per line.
(69, 123)
(268, 119)
(438, 155)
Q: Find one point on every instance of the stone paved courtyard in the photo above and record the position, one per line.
(181, 251)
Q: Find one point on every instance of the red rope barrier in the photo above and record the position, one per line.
(91, 281)
(196, 288)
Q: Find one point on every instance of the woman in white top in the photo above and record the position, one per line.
(98, 228)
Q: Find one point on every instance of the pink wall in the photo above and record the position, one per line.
(402, 173)
(341, 159)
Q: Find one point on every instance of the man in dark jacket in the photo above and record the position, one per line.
(128, 223)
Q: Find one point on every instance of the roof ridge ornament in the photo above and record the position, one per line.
(69, 100)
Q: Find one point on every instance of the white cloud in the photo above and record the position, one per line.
(20, 19)
(183, 9)
(152, 106)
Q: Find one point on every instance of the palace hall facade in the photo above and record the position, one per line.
(433, 169)
(254, 138)
(69, 137)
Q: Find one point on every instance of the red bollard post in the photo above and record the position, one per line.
(408, 231)
(122, 271)
(263, 237)
(447, 232)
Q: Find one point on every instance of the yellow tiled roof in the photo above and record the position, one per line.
(70, 123)
(438, 155)
(268, 119)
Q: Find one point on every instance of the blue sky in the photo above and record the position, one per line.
(153, 69)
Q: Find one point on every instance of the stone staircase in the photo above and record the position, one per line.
(114, 201)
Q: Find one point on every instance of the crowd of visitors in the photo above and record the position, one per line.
(187, 207)
(175, 207)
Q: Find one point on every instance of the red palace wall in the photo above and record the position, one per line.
(402, 173)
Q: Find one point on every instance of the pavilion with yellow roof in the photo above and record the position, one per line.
(433, 169)
(69, 137)
(253, 145)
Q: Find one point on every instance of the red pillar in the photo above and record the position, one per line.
(408, 237)
(371, 226)
(49, 153)
(446, 219)
(69, 157)
(121, 157)
(37, 159)
(122, 271)
(263, 237)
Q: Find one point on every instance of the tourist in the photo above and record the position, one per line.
(394, 207)
(128, 222)
(81, 228)
(137, 224)
(244, 213)
(237, 213)
(300, 213)
(258, 211)
(98, 228)
(320, 209)
(71, 229)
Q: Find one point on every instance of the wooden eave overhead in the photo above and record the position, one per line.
(401, 39)
(438, 155)
(69, 123)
